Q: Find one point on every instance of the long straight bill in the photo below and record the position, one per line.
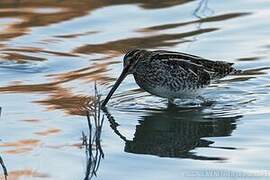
(115, 86)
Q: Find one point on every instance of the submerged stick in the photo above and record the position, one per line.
(94, 152)
(1, 160)
(4, 168)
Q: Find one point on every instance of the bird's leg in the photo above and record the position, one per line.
(205, 101)
(201, 98)
(171, 102)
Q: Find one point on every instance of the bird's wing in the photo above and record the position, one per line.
(217, 69)
(184, 70)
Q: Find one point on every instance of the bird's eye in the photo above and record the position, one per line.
(126, 61)
(130, 57)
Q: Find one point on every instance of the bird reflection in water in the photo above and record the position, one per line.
(175, 132)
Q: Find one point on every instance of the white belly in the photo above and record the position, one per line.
(167, 93)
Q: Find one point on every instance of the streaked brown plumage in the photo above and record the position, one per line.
(170, 74)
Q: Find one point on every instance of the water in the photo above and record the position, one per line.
(52, 52)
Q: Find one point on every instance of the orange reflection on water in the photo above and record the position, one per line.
(21, 57)
(66, 101)
(63, 98)
(70, 36)
(31, 120)
(95, 72)
(31, 14)
(216, 18)
(148, 42)
(28, 88)
(21, 146)
(58, 98)
(38, 13)
(18, 174)
(27, 54)
(20, 150)
(49, 131)
(76, 145)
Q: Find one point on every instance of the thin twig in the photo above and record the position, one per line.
(94, 152)
(1, 160)
(4, 168)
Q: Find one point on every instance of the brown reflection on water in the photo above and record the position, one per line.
(70, 36)
(18, 174)
(20, 58)
(21, 146)
(58, 97)
(59, 146)
(62, 98)
(157, 41)
(29, 13)
(68, 102)
(26, 54)
(94, 72)
(49, 131)
(29, 88)
(31, 120)
(19, 54)
(221, 17)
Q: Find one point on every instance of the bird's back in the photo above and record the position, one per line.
(216, 69)
(171, 74)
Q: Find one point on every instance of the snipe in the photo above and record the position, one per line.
(170, 74)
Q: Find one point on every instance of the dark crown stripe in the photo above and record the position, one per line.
(176, 56)
(132, 52)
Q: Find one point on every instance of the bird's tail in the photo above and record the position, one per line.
(236, 72)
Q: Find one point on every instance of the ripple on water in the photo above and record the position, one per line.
(223, 99)
(226, 92)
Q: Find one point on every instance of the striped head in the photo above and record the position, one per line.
(130, 61)
(132, 58)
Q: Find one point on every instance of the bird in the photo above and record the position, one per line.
(170, 74)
